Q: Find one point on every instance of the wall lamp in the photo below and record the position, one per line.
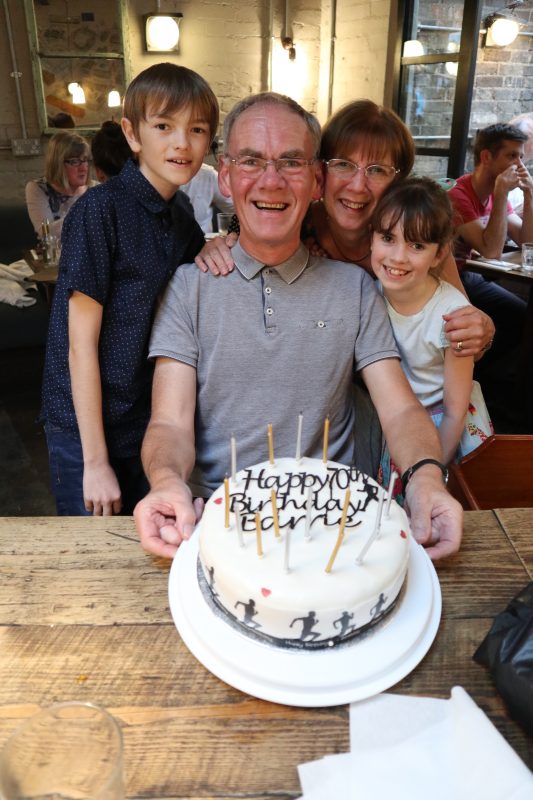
(78, 95)
(162, 32)
(501, 30)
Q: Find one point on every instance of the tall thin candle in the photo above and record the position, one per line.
(340, 536)
(308, 510)
(286, 565)
(233, 449)
(299, 437)
(238, 525)
(270, 443)
(389, 493)
(226, 502)
(258, 535)
(374, 535)
(275, 517)
(326, 439)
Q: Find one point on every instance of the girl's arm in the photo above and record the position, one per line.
(457, 390)
(101, 490)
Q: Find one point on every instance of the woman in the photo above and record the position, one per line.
(66, 178)
(110, 150)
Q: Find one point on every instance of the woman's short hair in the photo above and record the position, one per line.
(110, 148)
(377, 131)
(63, 145)
(274, 99)
(166, 88)
(421, 206)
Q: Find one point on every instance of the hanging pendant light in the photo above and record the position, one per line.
(113, 99)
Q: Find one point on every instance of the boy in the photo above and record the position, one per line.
(120, 248)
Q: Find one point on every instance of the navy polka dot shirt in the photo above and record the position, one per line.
(121, 244)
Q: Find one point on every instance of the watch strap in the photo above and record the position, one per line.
(408, 474)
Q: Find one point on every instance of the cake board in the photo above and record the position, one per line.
(354, 670)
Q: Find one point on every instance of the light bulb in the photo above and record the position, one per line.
(162, 33)
(78, 96)
(113, 98)
(413, 47)
(502, 32)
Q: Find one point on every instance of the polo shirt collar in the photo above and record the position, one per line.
(132, 177)
(289, 270)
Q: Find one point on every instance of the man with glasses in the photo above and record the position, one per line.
(277, 337)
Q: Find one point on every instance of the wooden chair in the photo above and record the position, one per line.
(498, 474)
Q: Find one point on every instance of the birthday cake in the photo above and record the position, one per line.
(304, 554)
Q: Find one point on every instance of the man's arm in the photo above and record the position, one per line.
(166, 516)
(521, 229)
(436, 518)
(489, 239)
(101, 491)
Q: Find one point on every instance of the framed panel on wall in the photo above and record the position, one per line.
(79, 61)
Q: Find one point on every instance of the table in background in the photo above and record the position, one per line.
(43, 274)
(84, 615)
(526, 356)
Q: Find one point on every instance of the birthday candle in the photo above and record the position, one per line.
(373, 536)
(326, 437)
(275, 517)
(226, 498)
(389, 493)
(308, 509)
(340, 536)
(258, 536)
(299, 437)
(270, 443)
(238, 525)
(233, 448)
(286, 566)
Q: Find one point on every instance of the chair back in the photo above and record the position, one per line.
(497, 474)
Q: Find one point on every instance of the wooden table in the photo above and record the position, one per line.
(84, 615)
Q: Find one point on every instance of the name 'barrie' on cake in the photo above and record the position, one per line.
(268, 573)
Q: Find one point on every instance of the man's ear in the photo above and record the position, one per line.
(223, 177)
(133, 141)
(485, 157)
(318, 188)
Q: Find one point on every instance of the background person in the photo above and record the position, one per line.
(206, 197)
(524, 123)
(110, 150)
(66, 179)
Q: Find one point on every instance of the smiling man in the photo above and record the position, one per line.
(283, 333)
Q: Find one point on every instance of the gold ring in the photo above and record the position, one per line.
(459, 346)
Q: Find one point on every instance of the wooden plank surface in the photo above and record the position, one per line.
(518, 525)
(84, 615)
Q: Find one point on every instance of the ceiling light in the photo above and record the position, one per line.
(78, 95)
(113, 99)
(162, 32)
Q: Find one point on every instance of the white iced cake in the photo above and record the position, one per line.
(276, 582)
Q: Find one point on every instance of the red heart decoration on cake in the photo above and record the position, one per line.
(218, 501)
(265, 592)
(403, 534)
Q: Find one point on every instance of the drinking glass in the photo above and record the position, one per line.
(70, 751)
(527, 257)
(223, 223)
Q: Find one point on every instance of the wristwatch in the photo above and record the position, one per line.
(408, 474)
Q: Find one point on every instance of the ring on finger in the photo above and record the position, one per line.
(459, 346)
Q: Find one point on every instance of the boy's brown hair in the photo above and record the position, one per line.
(165, 88)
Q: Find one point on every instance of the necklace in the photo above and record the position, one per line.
(344, 256)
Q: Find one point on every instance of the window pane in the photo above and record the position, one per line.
(431, 166)
(72, 27)
(438, 26)
(426, 103)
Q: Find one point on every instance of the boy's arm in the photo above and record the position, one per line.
(101, 490)
(167, 515)
(457, 390)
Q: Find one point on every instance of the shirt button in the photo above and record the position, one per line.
(321, 323)
(266, 272)
(268, 290)
(270, 311)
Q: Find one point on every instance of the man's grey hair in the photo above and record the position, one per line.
(273, 98)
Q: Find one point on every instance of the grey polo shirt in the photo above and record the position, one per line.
(268, 343)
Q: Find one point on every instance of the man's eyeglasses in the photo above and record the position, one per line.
(254, 165)
(77, 162)
(374, 173)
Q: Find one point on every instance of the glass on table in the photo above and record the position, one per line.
(70, 750)
(527, 257)
(223, 223)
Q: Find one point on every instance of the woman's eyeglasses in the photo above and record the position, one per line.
(374, 173)
(77, 162)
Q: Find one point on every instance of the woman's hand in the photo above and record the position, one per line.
(469, 331)
(215, 255)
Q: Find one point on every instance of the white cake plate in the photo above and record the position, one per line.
(354, 670)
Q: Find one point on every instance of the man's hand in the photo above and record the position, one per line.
(166, 517)
(101, 491)
(507, 180)
(472, 328)
(525, 181)
(436, 517)
(215, 256)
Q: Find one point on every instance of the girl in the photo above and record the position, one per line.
(412, 228)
